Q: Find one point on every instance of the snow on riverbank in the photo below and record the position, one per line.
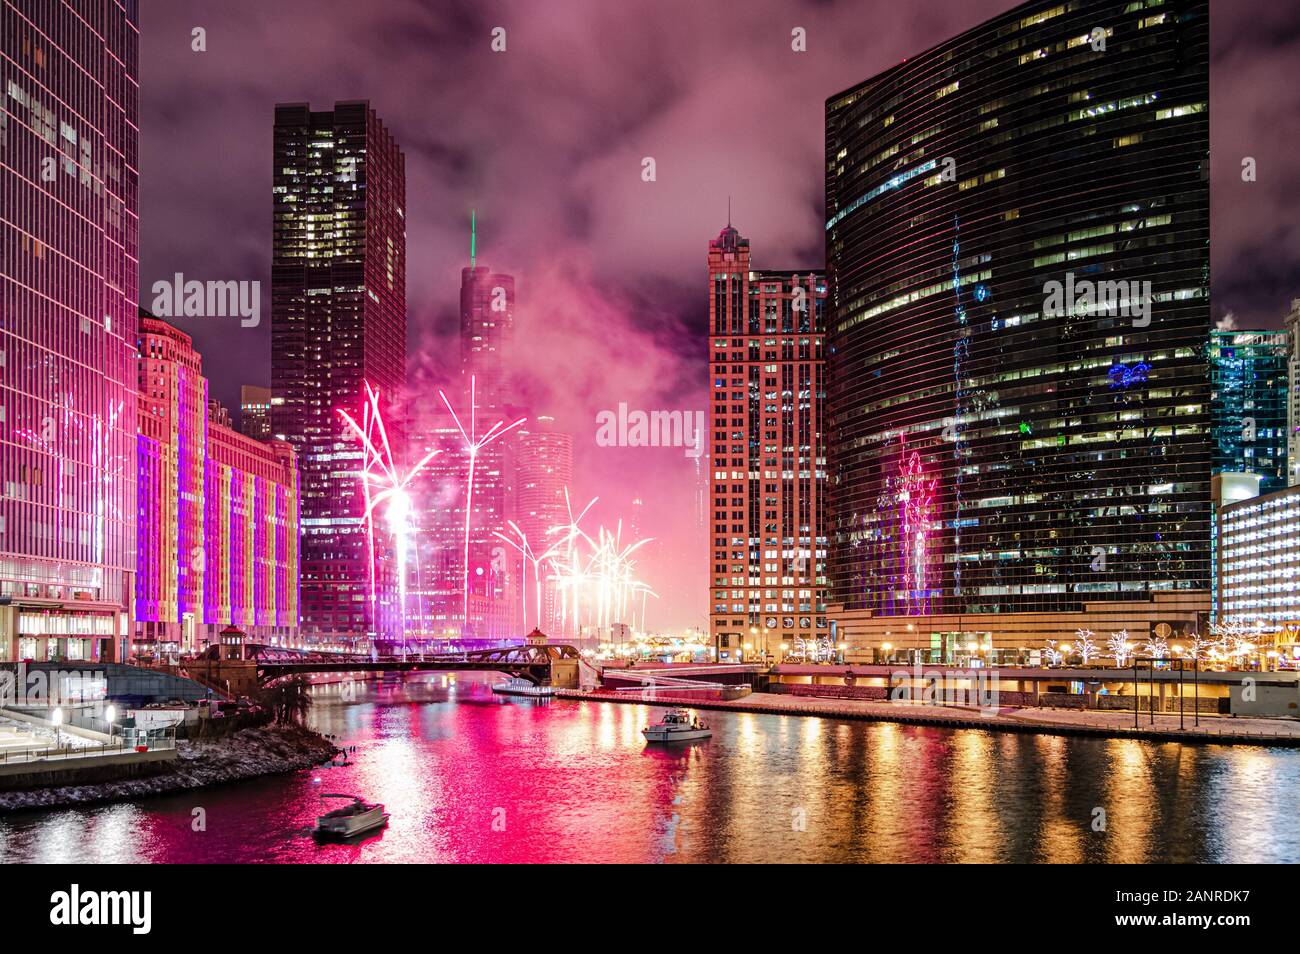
(246, 754)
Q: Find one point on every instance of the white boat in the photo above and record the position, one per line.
(521, 687)
(676, 726)
(360, 816)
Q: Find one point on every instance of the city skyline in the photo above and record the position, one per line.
(461, 489)
(594, 296)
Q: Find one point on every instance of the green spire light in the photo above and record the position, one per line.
(473, 230)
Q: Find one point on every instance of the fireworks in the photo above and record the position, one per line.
(594, 575)
(473, 445)
(597, 575)
(384, 484)
(525, 550)
(916, 500)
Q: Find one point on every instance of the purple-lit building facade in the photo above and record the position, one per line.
(217, 516)
(338, 320)
(68, 281)
(251, 531)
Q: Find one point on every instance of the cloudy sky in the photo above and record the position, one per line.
(546, 141)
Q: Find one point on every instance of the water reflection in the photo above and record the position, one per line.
(468, 776)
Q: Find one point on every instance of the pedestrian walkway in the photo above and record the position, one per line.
(1111, 724)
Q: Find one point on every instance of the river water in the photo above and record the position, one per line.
(469, 776)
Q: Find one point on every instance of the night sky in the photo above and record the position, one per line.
(545, 141)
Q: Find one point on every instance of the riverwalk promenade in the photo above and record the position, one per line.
(1213, 729)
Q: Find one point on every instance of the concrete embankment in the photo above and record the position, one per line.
(249, 753)
(1102, 724)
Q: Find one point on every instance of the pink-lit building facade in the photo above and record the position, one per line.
(69, 275)
(217, 516)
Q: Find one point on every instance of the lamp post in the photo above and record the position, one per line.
(57, 719)
(110, 715)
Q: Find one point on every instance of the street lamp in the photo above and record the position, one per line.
(58, 730)
(110, 714)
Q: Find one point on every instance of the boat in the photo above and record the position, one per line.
(522, 687)
(676, 726)
(361, 816)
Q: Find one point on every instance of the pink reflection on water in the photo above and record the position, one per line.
(471, 777)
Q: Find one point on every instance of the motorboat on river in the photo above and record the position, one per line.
(354, 819)
(677, 725)
(515, 686)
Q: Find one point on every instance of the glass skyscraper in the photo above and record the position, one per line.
(1248, 404)
(69, 277)
(1017, 228)
(338, 300)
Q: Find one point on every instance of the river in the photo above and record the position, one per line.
(472, 777)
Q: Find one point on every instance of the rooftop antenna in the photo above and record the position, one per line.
(473, 234)
(728, 211)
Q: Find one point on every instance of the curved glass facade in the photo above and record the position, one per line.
(1018, 266)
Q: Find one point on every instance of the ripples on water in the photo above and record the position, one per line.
(574, 781)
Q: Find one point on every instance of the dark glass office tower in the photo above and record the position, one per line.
(338, 299)
(1018, 421)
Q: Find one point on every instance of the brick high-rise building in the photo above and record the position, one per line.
(768, 543)
(338, 300)
(69, 277)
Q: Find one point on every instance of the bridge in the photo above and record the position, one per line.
(539, 664)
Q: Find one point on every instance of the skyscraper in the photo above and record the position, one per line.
(1017, 250)
(487, 326)
(768, 544)
(544, 470)
(1248, 404)
(338, 300)
(255, 412)
(1292, 324)
(484, 586)
(69, 277)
